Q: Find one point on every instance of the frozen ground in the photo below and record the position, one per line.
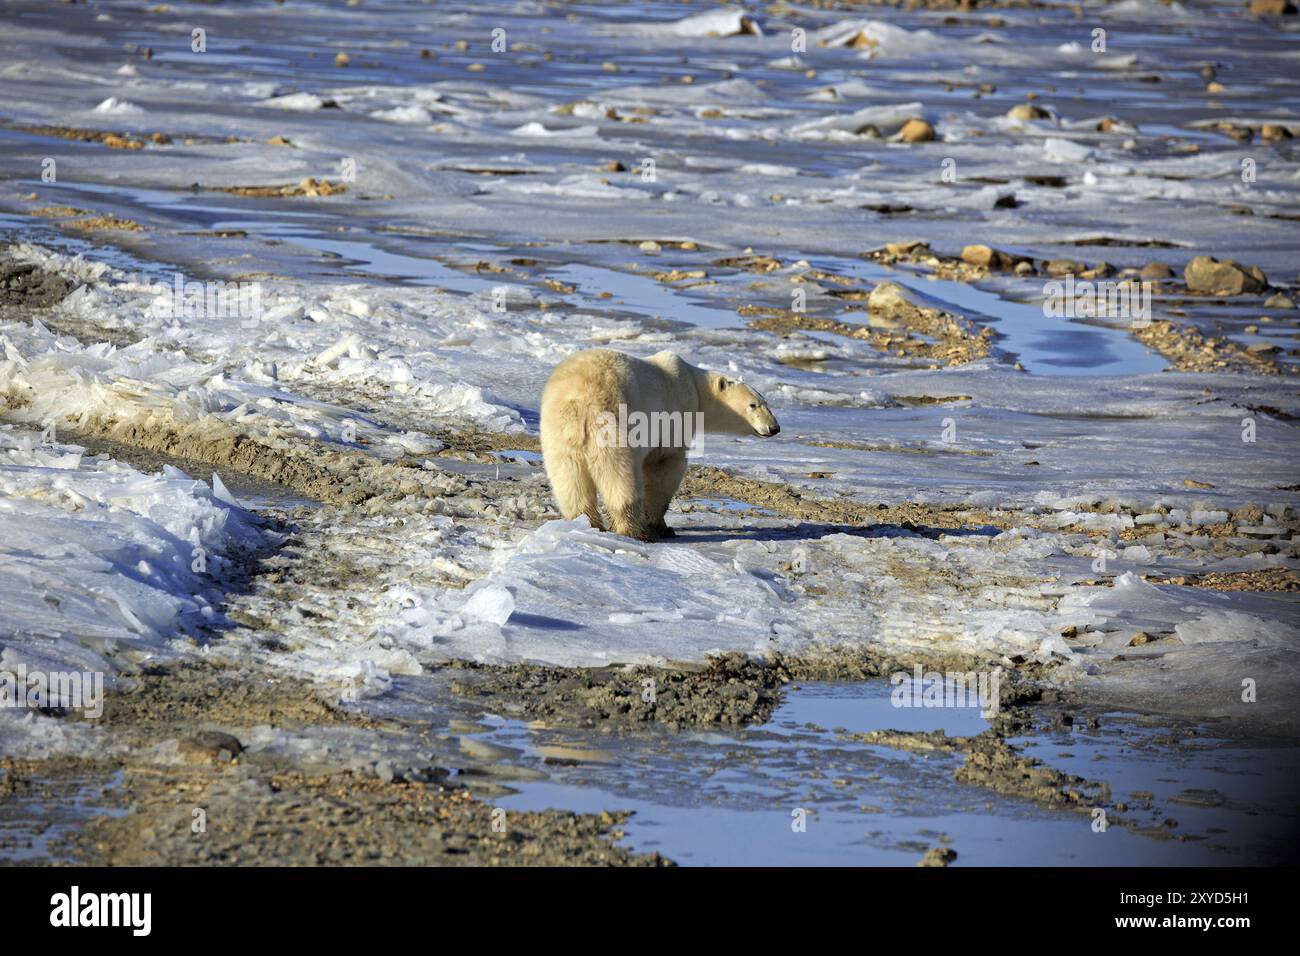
(1069, 503)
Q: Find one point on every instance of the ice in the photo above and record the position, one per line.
(222, 493)
(1058, 150)
(115, 107)
(718, 23)
(295, 102)
(102, 565)
(416, 115)
(1197, 616)
(491, 604)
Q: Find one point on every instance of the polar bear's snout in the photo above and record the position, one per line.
(760, 417)
(766, 426)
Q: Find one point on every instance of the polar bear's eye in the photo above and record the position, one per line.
(753, 404)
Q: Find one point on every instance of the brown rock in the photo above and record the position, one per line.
(907, 248)
(1027, 111)
(1272, 133)
(986, 257)
(1271, 8)
(938, 856)
(210, 746)
(887, 306)
(1211, 276)
(1064, 267)
(1157, 270)
(861, 41)
(916, 131)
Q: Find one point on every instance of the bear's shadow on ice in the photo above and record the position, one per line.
(541, 621)
(807, 531)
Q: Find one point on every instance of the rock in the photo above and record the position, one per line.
(1273, 133)
(1064, 267)
(1140, 638)
(986, 257)
(1279, 300)
(1157, 270)
(1024, 268)
(649, 246)
(1208, 73)
(907, 248)
(938, 856)
(1271, 8)
(916, 131)
(887, 306)
(1212, 276)
(1261, 348)
(1027, 111)
(1214, 86)
(1249, 513)
(614, 166)
(210, 746)
(342, 59)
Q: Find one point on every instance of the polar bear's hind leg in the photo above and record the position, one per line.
(663, 476)
(622, 485)
(574, 489)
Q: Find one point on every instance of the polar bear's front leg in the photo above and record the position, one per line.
(663, 476)
(622, 485)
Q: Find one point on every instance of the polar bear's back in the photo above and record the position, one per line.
(601, 380)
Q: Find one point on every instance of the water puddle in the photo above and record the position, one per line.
(796, 792)
(1043, 344)
(643, 295)
(31, 824)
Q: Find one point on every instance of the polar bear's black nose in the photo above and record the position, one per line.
(773, 431)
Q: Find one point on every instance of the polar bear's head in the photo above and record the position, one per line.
(736, 409)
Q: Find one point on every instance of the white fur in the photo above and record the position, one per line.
(636, 484)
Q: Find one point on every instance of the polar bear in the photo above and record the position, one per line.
(619, 425)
